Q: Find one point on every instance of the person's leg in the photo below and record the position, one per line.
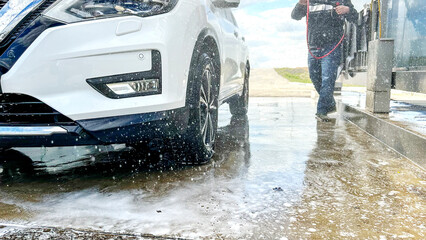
(315, 72)
(329, 66)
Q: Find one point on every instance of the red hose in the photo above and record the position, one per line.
(307, 36)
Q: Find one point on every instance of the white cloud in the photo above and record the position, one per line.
(249, 2)
(274, 39)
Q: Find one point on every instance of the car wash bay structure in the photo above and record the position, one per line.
(388, 47)
(390, 34)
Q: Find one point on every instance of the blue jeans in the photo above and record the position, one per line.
(323, 74)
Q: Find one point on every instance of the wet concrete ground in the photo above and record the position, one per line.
(279, 174)
(409, 114)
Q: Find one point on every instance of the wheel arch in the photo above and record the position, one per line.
(207, 39)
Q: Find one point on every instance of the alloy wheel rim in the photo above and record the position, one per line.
(208, 108)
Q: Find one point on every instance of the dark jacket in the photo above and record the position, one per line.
(325, 27)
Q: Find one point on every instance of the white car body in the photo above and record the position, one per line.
(55, 67)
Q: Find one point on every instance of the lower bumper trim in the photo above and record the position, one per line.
(31, 131)
(119, 129)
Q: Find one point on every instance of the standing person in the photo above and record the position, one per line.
(325, 33)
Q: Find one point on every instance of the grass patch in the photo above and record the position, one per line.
(300, 74)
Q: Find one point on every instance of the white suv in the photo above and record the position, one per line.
(119, 71)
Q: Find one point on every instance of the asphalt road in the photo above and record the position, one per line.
(279, 174)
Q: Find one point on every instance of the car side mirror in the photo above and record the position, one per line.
(226, 3)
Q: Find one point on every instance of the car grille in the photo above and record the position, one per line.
(23, 109)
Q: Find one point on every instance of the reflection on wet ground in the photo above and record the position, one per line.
(276, 175)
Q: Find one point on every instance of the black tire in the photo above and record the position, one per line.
(239, 105)
(200, 137)
(14, 165)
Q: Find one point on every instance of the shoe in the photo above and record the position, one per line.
(322, 117)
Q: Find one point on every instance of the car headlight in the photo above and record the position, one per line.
(70, 11)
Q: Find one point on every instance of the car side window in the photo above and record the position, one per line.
(224, 15)
(233, 18)
(230, 17)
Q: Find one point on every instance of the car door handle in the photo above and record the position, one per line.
(236, 34)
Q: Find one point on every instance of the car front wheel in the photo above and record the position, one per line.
(201, 135)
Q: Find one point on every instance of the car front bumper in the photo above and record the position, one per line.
(128, 129)
(56, 66)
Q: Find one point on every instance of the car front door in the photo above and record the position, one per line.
(232, 75)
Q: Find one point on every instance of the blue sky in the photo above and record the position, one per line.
(260, 6)
(253, 6)
(274, 39)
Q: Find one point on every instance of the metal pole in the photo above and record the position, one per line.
(379, 75)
